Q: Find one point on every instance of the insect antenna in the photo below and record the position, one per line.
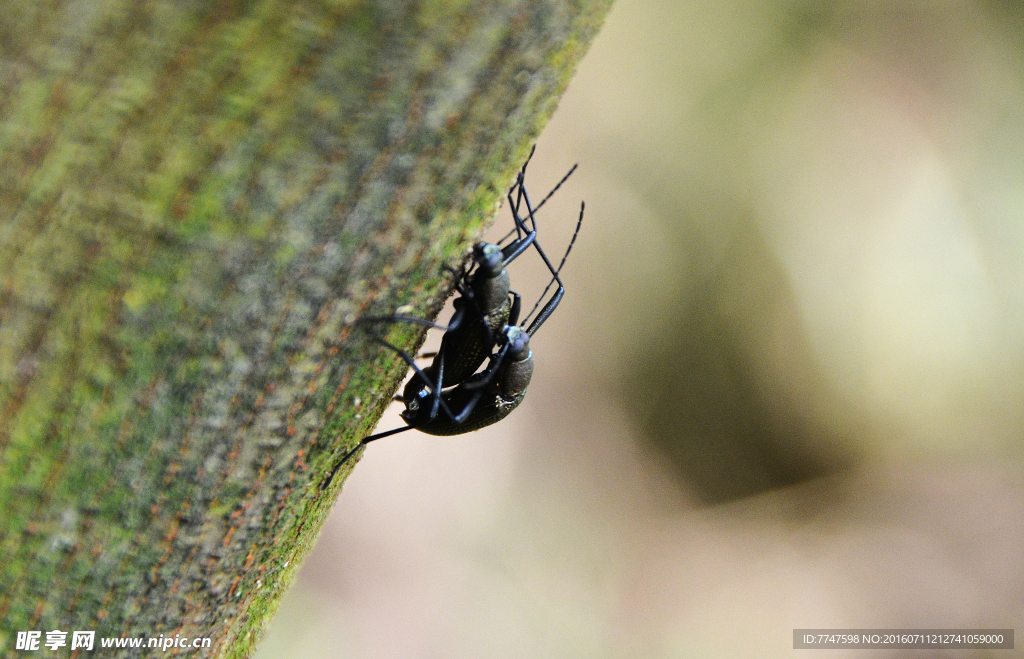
(554, 302)
(555, 189)
(532, 238)
(519, 184)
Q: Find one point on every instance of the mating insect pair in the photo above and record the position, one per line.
(453, 395)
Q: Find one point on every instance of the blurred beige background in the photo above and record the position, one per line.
(784, 387)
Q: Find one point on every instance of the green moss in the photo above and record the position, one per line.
(200, 203)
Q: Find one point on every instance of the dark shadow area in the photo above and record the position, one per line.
(732, 426)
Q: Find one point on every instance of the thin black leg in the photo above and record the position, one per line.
(513, 314)
(419, 372)
(438, 387)
(514, 206)
(330, 477)
(553, 303)
(479, 385)
(511, 251)
(398, 318)
(488, 374)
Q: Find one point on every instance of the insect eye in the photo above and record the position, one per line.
(489, 258)
(518, 343)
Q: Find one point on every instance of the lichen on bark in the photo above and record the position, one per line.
(196, 198)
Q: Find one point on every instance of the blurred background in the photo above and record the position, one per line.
(783, 389)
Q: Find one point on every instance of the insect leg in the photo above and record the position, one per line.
(533, 222)
(438, 387)
(522, 193)
(550, 306)
(520, 182)
(514, 249)
(459, 276)
(479, 385)
(387, 433)
(399, 318)
(488, 374)
(454, 323)
(419, 372)
(468, 409)
(515, 206)
(513, 314)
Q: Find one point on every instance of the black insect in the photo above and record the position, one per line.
(453, 396)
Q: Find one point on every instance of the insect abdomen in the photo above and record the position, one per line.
(491, 409)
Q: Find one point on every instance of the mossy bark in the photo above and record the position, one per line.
(195, 200)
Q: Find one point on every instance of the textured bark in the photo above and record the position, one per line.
(196, 199)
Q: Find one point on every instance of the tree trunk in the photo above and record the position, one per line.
(196, 199)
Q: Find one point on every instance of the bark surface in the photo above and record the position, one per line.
(196, 199)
